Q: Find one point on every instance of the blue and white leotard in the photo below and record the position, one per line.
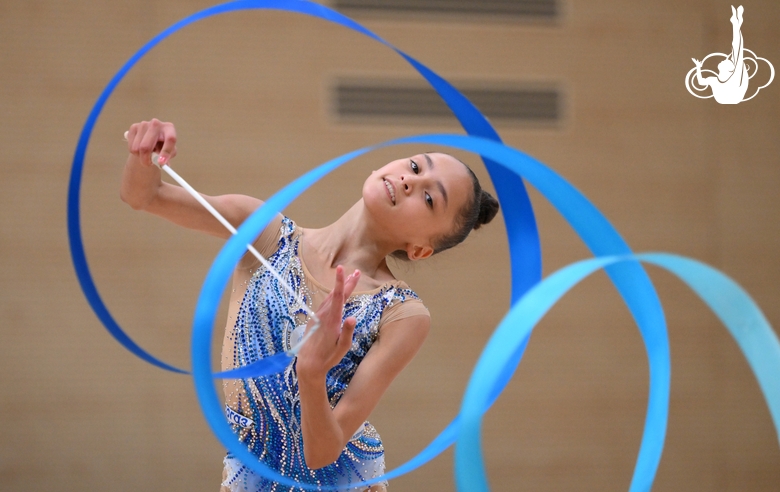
(265, 411)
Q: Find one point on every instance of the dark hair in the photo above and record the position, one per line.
(479, 210)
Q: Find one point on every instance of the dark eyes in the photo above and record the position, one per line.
(416, 170)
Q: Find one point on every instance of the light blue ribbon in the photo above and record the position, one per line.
(499, 359)
(587, 221)
(738, 312)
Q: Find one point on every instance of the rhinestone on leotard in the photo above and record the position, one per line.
(267, 316)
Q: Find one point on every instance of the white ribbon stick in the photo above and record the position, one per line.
(173, 174)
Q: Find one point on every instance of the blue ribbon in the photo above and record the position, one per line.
(499, 359)
(733, 306)
(630, 279)
(520, 222)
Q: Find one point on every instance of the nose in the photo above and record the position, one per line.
(408, 181)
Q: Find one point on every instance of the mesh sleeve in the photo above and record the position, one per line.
(406, 309)
(266, 243)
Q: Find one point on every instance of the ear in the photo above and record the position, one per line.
(417, 252)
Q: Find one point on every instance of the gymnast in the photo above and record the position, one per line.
(308, 422)
(731, 84)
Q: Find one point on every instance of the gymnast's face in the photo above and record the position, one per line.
(415, 200)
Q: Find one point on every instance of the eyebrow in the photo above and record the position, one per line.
(438, 183)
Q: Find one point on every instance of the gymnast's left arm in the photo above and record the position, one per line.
(326, 431)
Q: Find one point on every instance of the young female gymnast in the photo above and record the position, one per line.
(309, 421)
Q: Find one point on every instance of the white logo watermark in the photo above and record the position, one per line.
(730, 84)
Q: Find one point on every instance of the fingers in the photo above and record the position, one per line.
(333, 304)
(338, 289)
(334, 337)
(134, 135)
(345, 338)
(152, 136)
(149, 139)
(129, 137)
(351, 283)
(344, 287)
(168, 137)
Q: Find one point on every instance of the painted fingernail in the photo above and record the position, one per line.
(162, 160)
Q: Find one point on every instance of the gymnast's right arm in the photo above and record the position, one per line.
(143, 189)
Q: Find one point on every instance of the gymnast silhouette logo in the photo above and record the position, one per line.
(730, 84)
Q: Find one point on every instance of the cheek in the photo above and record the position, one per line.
(431, 225)
(371, 191)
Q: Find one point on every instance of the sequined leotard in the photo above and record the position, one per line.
(270, 320)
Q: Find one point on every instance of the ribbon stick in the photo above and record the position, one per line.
(523, 236)
(587, 221)
(523, 239)
(276, 362)
(531, 296)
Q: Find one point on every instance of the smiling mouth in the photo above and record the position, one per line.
(390, 190)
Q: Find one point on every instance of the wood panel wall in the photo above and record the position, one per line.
(250, 94)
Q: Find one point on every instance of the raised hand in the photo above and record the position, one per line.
(328, 345)
(152, 136)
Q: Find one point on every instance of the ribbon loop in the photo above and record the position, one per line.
(531, 297)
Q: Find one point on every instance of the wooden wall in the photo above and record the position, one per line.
(249, 93)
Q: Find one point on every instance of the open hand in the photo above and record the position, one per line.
(328, 345)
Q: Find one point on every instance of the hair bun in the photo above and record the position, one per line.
(488, 208)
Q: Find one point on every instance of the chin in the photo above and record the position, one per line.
(375, 195)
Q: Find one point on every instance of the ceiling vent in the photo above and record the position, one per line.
(541, 9)
(379, 102)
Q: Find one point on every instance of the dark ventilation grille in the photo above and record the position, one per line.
(518, 8)
(367, 100)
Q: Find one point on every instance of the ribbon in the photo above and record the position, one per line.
(518, 214)
(733, 306)
(588, 222)
(506, 167)
(502, 359)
